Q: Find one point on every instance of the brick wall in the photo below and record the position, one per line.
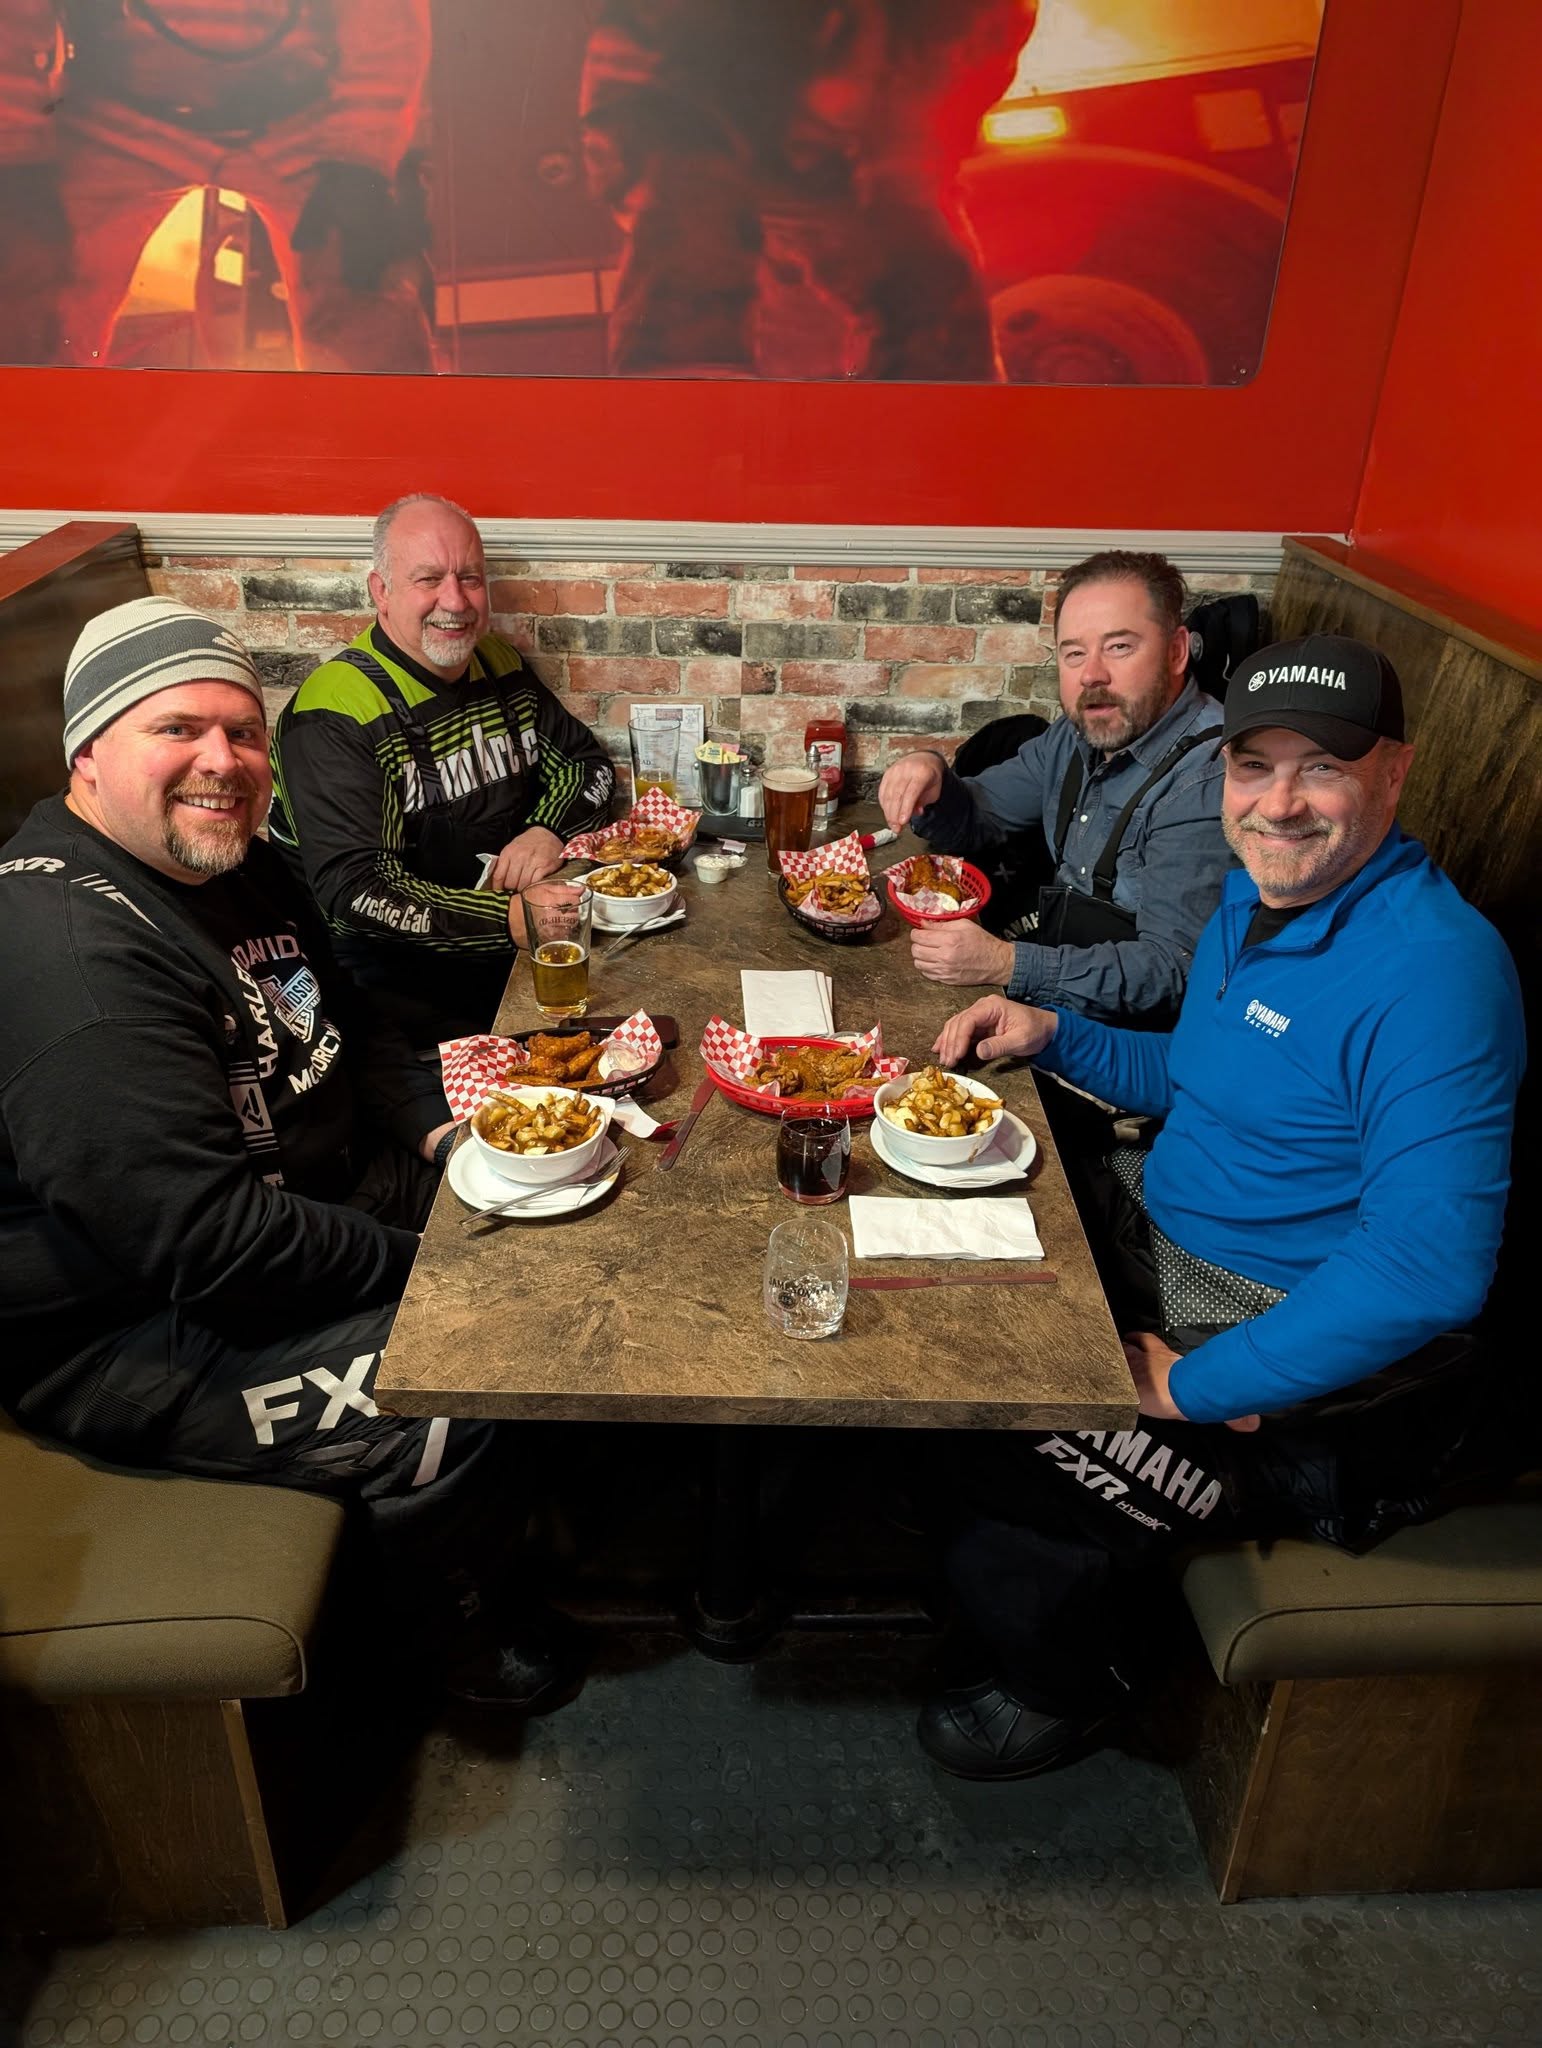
(910, 657)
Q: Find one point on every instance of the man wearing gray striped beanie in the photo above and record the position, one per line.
(166, 737)
(214, 1161)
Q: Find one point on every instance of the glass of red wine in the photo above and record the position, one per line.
(813, 1157)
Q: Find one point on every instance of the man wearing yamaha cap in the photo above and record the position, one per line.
(1296, 1261)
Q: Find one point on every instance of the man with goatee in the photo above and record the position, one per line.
(214, 1161)
(424, 776)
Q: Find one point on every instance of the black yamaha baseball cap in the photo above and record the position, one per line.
(1338, 693)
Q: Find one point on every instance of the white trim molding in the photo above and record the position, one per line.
(648, 540)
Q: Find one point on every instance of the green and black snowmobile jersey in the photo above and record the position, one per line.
(390, 784)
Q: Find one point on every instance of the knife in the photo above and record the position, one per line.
(705, 1091)
(887, 1280)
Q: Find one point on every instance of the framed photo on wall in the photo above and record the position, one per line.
(1086, 192)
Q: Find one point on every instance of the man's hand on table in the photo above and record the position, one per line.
(909, 786)
(963, 953)
(995, 1028)
(1150, 1362)
(529, 857)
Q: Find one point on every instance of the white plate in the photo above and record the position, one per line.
(603, 922)
(1008, 1156)
(480, 1188)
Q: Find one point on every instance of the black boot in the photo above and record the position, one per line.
(986, 1732)
(538, 1664)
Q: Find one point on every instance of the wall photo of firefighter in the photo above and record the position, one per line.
(1029, 191)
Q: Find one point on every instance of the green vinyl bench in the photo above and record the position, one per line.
(1370, 1724)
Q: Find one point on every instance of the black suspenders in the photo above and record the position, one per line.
(1106, 866)
(413, 733)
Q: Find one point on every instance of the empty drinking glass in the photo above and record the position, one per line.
(805, 1286)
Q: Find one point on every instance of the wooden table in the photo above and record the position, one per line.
(647, 1306)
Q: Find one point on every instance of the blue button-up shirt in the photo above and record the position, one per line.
(1171, 861)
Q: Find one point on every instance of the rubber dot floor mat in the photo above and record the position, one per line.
(695, 1855)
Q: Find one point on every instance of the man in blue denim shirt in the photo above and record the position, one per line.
(1135, 885)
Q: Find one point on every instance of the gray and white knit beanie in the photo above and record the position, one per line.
(130, 652)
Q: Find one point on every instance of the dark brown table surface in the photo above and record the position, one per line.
(646, 1306)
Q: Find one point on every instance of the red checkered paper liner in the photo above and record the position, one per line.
(655, 809)
(927, 901)
(840, 857)
(474, 1068)
(734, 1055)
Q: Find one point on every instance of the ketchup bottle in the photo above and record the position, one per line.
(824, 748)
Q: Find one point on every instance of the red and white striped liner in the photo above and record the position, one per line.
(473, 1068)
(735, 1054)
(655, 809)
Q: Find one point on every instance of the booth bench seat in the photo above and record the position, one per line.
(1370, 1724)
(157, 1636)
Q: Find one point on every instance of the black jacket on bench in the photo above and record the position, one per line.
(188, 1087)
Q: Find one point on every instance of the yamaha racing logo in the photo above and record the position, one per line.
(1262, 1018)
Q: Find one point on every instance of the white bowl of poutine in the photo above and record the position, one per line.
(543, 1132)
(629, 892)
(938, 1119)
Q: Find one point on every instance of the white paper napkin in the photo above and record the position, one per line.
(787, 1005)
(633, 1117)
(892, 1227)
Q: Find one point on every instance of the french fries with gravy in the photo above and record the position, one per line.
(937, 1107)
(631, 878)
(836, 894)
(554, 1123)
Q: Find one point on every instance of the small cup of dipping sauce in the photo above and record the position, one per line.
(714, 867)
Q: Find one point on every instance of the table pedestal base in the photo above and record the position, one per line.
(728, 1616)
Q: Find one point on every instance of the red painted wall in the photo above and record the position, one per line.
(1284, 452)
(1451, 484)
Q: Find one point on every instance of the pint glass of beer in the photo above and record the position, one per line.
(557, 920)
(789, 794)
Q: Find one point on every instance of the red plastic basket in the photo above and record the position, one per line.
(978, 886)
(850, 1107)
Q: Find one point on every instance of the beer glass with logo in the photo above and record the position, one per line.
(557, 920)
(789, 795)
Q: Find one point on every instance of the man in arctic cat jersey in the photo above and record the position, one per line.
(113, 109)
(214, 1161)
(407, 763)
